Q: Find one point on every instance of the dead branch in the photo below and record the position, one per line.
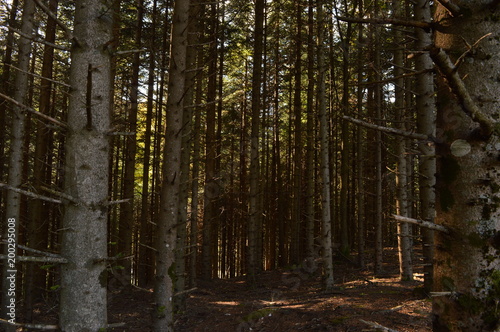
(38, 40)
(29, 194)
(421, 223)
(60, 194)
(387, 129)
(378, 326)
(29, 109)
(456, 84)
(39, 76)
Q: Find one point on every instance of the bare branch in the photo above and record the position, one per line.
(456, 84)
(38, 40)
(39, 76)
(29, 194)
(387, 129)
(60, 194)
(421, 223)
(29, 109)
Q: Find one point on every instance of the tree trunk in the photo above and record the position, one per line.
(426, 124)
(16, 166)
(254, 213)
(15, 170)
(84, 235)
(169, 205)
(468, 260)
(326, 218)
(404, 241)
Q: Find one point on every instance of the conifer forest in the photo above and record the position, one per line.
(263, 165)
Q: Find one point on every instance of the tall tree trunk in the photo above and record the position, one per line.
(426, 124)
(38, 224)
(404, 241)
(211, 186)
(145, 261)
(326, 218)
(467, 260)
(84, 235)
(254, 213)
(295, 255)
(16, 164)
(169, 205)
(126, 223)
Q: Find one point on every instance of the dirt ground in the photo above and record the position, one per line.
(288, 300)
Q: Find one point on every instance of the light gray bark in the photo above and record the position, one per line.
(169, 204)
(426, 124)
(16, 155)
(84, 235)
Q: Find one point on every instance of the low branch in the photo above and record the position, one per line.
(35, 251)
(39, 76)
(387, 129)
(378, 326)
(29, 109)
(60, 194)
(38, 259)
(456, 84)
(451, 7)
(30, 326)
(185, 291)
(121, 201)
(29, 194)
(38, 40)
(395, 21)
(421, 223)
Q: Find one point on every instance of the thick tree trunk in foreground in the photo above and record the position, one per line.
(84, 230)
(169, 205)
(468, 260)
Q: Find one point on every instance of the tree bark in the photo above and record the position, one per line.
(169, 205)
(84, 235)
(467, 260)
(16, 157)
(426, 124)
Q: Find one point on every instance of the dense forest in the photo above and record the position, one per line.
(162, 144)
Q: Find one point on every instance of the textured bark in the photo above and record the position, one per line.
(426, 124)
(84, 235)
(468, 259)
(169, 205)
(16, 155)
(326, 216)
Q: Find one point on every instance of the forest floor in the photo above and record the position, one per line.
(290, 300)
